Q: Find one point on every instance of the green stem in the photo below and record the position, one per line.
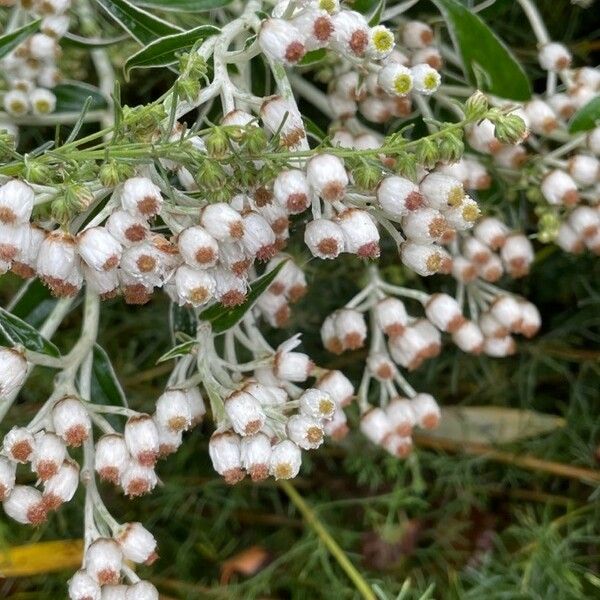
(340, 556)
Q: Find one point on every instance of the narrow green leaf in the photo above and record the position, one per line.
(223, 318)
(375, 18)
(140, 24)
(183, 5)
(106, 388)
(182, 321)
(21, 333)
(77, 41)
(163, 52)
(71, 97)
(488, 63)
(313, 57)
(364, 7)
(587, 117)
(179, 350)
(9, 41)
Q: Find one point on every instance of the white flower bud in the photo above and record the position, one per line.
(138, 480)
(55, 26)
(42, 101)
(142, 590)
(19, 444)
(305, 431)
(222, 222)
(381, 366)
(562, 105)
(463, 270)
(337, 427)
(83, 587)
(144, 263)
(500, 347)
(71, 421)
(324, 238)
(492, 269)
(381, 43)
(16, 103)
(337, 386)
(463, 216)
(351, 33)
(61, 487)
(426, 225)
(231, 290)
(103, 561)
(417, 34)
(259, 239)
(441, 191)
(430, 56)
(507, 311)
(491, 231)
(13, 371)
(233, 258)
(103, 283)
(317, 404)
(481, 137)
(367, 141)
(16, 202)
(198, 248)
(350, 328)
(14, 240)
(275, 309)
(49, 76)
(169, 441)
(291, 191)
(282, 116)
(395, 79)
(173, 410)
(426, 80)
(224, 450)
(8, 471)
(361, 235)
(58, 264)
(255, 454)
(491, 327)
(141, 197)
(141, 438)
(137, 543)
(531, 320)
(400, 416)
(568, 239)
(25, 506)
(327, 175)
(559, 188)
(99, 249)
(196, 405)
(375, 425)
(111, 457)
(398, 445)
(329, 335)
(281, 41)
(584, 169)
(417, 343)
(541, 117)
(49, 454)
(585, 221)
(477, 252)
(316, 25)
(444, 312)
(114, 592)
(517, 255)
(426, 409)
(194, 286)
(285, 461)
(554, 57)
(343, 139)
(128, 229)
(588, 77)
(469, 338)
(292, 366)
(423, 259)
(391, 316)
(245, 413)
(290, 281)
(376, 110)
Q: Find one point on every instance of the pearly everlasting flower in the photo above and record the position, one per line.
(258, 239)
(317, 404)
(49, 454)
(83, 587)
(559, 188)
(275, 308)
(141, 197)
(285, 460)
(142, 590)
(361, 236)
(13, 240)
(71, 421)
(58, 264)
(103, 283)
(128, 229)
(19, 444)
(114, 592)
(169, 441)
(426, 225)
(292, 366)
(426, 80)
(99, 249)
(306, 432)
(222, 222)
(137, 543)
(281, 41)
(16, 202)
(375, 425)
(492, 269)
(500, 346)
(584, 169)
(391, 316)
(143, 263)
(173, 410)
(401, 416)
(395, 79)
(195, 287)
(481, 137)
(517, 255)
(230, 289)
(507, 311)
(381, 42)
(327, 176)
(42, 101)
(25, 505)
(291, 191)
(8, 470)
(531, 320)
(137, 480)
(463, 216)
(55, 26)
(476, 251)
(281, 116)
(441, 191)
(380, 366)
(245, 413)
(469, 338)
(430, 56)
(337, 386)
(103, 561)
(224, 450)
(61, 487)
(141, 438)
(111, 457)
(351, 33)
(444, 312)
(463, 270)
(426, 409)
(491, 327)
(255, 452)
(324, 238)
(415, 345)
(350, 328)
(541, 117)
(554, 57)
(417, 34)
(16, 103)
(423, 259)
(376, 110)
(198, 248)
(195, 404)
(491, 231)
(13, 371)
(316, 25)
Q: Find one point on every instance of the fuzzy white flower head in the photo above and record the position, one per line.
(306, 432)
(16, 103)
(49, 454)
(317, 404)
(351, 35)
(361, 236)
(426, 80)
(375, 425)
(71, 421)
(337, 386)
(397, 195)
(426, 409)
(16, 202)
(173, 410)
(245, 413)
(140, 197)
(554, 57)
(423, 259)
(281, 41)
(327, 176)
(141, 438)
(317, 26)
(259, 238)
(99, 249)
(401, 416)
(381, 42)
(137, 480)
(111, 457)
(25, 505)
(142, 590)
(61, 487)
(103, 561)
(128, 229)
(584, 169)
(285, 460)
(469, 338)
(417, 34)
(42, 101)
(559, 188)
(222, 222)
(291, 191)
(8, 472)
(137, 543)
(198, 248)
(13, 371)
(517, 255)
(444, 312)
(427, 225)
(324, 238)
(55, 25)
(395, 79)
(256, 455)
(224, 450)
(83, 587)
(391, 316)
(282, 116)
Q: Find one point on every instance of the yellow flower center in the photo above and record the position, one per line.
(431, 81)
(402, 84)
(456, 196)
(470, 212)
(327, 5)
(383, 40)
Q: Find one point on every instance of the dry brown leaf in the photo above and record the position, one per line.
(247, 562)
(43, 557)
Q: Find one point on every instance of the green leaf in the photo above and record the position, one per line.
(21, 333)
(364, 7)
(587, 117)
(376, 16)
(163, 52)
(183, 321)
(493, 424)
(106, 388)
(223, 318)
(313, 57)
(9, 41)
(179, 350)
(71, 97)
(183, 5)
(140, 24)
(77, 41)
(487, 62)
